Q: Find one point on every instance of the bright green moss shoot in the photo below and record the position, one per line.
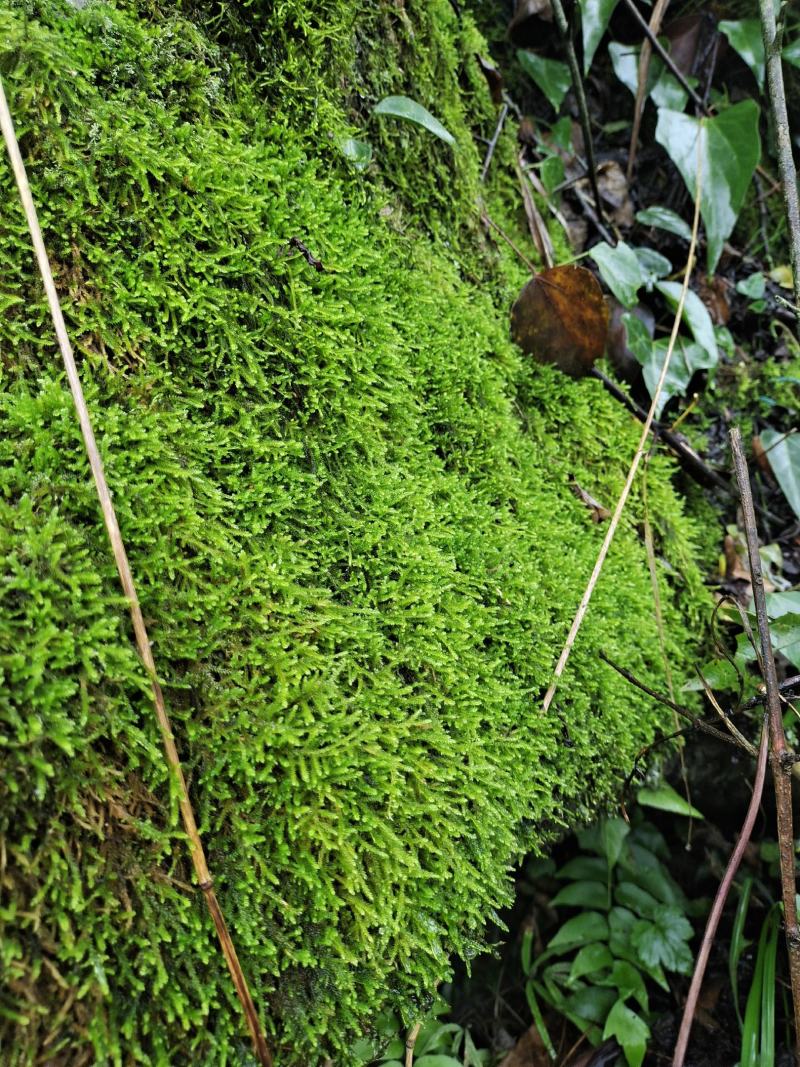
(346, 499)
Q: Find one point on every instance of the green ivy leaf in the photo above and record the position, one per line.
(595, 16)
(630, 1031)
(783, 456)
(729, 148)
(620, 270)
(753, 286)
(687, 357)
(664, 219)
(662, 87)
(654, 266)
(402, 107)
(695, 315)
(665, 798)
(791, 53)
(744, 36)
(551, 76)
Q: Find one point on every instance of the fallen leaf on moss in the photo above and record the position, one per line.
(560, 317)
(599, 513)
(494, 79)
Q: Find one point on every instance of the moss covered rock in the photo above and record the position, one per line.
(346, 498)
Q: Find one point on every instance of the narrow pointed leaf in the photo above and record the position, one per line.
(402, 107)
(728, 148)
(664, 219)
(551, 75)
(595, 16)
(744, 36)
(783, 455)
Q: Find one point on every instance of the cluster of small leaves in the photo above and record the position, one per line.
(632, 927)
(346, 501)
(435, 1043)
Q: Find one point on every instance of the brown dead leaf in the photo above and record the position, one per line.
(494, 79)
(761, 458)
(685, 35)
(714, 294)
(599, 513)
(525, 28)
(529, 1051)
(736, 569)
(561, 317)
(613, 186)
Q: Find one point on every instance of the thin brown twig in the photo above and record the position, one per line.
(580, 96)
(495, 138)
(583, 606)
(664, 54)
(487, 221)
(781, 757)
(643, 71)
(719, 901)
(202, 873)
(777, 96)
(679, 709)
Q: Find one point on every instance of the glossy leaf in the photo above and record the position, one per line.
(665, 219)
(654, 265)
(646, 870)
(437, 1060)
(662, 86)
(728, 147)
(581, 895)
(753, 286)
(663, 940)
(687, 357)
(638, 900)
(592, 1003)
(589, 868)
(739, 943)
(595, 16)
(695, 315)
(550, 75)
(403, 107)
(783, 455)
(584, 928)
(612, 837)
(630, 1031)
(590, 960)
(561, 317)
(620, 270)
(628, 982)
(791, 53)
(665, 798)
(744, 36)
(359, 153)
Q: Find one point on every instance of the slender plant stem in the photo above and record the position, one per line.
(782, 758)
(493, 143)
(583, 607)
(580, 96)
(777, 96)
(664, 54)
(411, 1040)
(643, 70)
(126, 579)
(719, 901)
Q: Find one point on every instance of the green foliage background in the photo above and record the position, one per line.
(346, 500)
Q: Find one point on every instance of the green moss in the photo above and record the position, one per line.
(346, 501)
